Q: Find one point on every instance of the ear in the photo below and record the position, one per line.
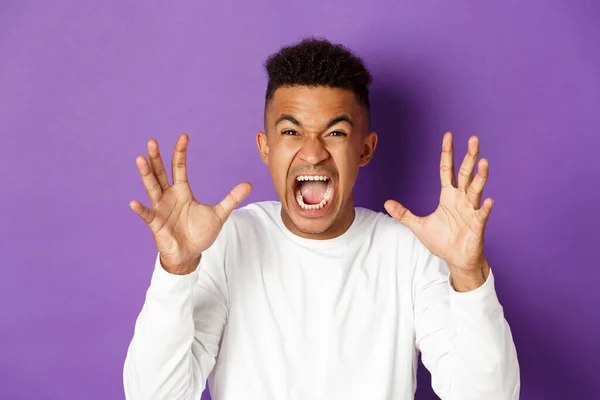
(368, 149)
(263, 146)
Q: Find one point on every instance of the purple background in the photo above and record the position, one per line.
(83, 85)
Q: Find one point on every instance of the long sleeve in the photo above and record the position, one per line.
(464, 339)
(177, 333)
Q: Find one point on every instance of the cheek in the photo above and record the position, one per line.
(346, 162)
(281, 156)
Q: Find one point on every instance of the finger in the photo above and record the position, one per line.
(156, 164)
(150, 182)
(475, 189)
(232, 200)
(179, 168)
(144, 212)
(447, 175)
(402, 214)
(467, 168)
(484, 212)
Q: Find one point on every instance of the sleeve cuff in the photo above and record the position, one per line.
(166, 282)
(484, 292)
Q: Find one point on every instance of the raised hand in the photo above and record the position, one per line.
(182, 227)
(454, 231)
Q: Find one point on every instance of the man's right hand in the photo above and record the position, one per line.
(182, 227)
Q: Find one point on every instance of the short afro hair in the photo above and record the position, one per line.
(317, 62)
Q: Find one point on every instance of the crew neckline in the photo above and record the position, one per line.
(318, 243)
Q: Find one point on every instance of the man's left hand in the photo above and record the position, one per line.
(454, 231)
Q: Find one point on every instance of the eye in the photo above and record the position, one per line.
(290, 132)
(338, 133)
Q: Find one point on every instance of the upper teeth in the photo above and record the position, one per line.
(312, 178)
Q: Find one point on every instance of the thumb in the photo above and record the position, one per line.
(401, 214)
(232, 200)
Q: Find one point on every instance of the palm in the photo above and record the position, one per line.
(455, 230)
(182, 227)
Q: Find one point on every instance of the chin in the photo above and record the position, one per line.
(314, 227)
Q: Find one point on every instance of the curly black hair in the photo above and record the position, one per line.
(317, 62)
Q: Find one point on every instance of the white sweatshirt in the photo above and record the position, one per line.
(268, 315)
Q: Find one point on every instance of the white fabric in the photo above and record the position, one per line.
(268, 315)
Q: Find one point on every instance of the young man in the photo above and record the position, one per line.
(311, 297)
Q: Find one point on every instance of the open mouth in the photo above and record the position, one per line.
(313, 192)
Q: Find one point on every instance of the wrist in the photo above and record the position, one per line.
(181, 269)
(466, 281)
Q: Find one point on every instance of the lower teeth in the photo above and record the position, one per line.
(318, 206)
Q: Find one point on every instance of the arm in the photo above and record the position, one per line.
(177, 333)
(464, 339)
(466, 343)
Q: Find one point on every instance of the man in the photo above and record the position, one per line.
(311, 297)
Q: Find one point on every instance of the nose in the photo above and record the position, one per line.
(313, 151)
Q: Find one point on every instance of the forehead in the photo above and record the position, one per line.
(313, 104)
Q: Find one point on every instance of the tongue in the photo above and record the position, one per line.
(313, 191)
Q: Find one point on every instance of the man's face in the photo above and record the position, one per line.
(315, 141)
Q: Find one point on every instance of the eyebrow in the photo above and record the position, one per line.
(332, 122)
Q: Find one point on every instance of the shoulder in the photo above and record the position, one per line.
(381, 224)
(385, 233)
(253, 217)
(256, 212)
(391, 232)
(245, 227)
